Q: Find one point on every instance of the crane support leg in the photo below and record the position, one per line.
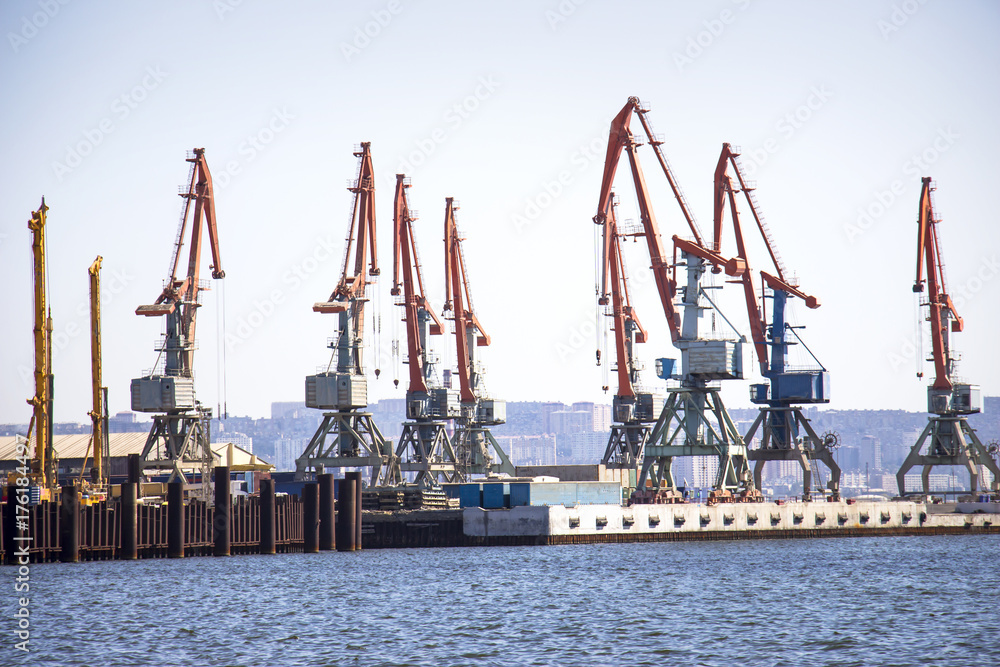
(950, 442)
(694, 422)
(345, 439)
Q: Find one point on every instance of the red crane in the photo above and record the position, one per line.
(473, 440)
(179, 439)
(939, 303)
(408, 282)
(689, 411)
(949, 439)
(179, 299)
(425, 447)
(621, 139)
(348, 436)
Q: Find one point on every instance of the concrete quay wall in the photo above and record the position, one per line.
(612, 523)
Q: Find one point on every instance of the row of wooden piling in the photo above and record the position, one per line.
(325, 525)
(323, 532)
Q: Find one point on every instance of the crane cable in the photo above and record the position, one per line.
(221, 380)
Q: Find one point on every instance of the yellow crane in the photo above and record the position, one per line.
(43, 467)
(99, 413)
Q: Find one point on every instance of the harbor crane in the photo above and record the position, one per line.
(43, 465)
(348, 436)
(693, 420)
(786, 434)
(425, 448)
(473, 440)
(99, 439)
(179, 439)
(947, 440)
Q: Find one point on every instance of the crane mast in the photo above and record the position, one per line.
(693, 420)
(473, 438)
(178, 440)
(99, 414)
(786, 434)
(425, 449)
(633, 408)
(947, 440)
(43, 467)
(348, 436)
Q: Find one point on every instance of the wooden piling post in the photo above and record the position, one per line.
(175, 520)
(221, 536)
(267, 535)
(310, 518)
(346, 515)
(129, 513)
(69, 524)
(327, 534)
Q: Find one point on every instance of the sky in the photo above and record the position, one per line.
(839, 110)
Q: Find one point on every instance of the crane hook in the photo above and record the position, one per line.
(377, 373)
(598, 357)
(395, 383)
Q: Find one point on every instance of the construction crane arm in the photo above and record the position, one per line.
(941, 306)
(724, 191)
(621, 139)
(361, 240)
(408, 283)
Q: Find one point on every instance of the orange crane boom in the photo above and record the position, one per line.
(408, 282)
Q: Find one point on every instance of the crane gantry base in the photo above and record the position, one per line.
(346, 439)
(472, 453)
(626, 446)
(180, 444)
(952, 442)
(780, 442)
(425, 449)
(686, 428)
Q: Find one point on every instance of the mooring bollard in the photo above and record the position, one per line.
(130, 525)
(346, 515)
(223, 512)
(356, 476)
(175, 520)
(69, 524)
(267, 541)
(327, 533)
(310, 518)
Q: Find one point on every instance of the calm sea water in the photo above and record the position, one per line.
(869, 601)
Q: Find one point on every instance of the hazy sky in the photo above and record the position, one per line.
(839, 108)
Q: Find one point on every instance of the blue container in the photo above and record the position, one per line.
(493, 495)
(470, 495)
(520, 494)
(451, 490)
